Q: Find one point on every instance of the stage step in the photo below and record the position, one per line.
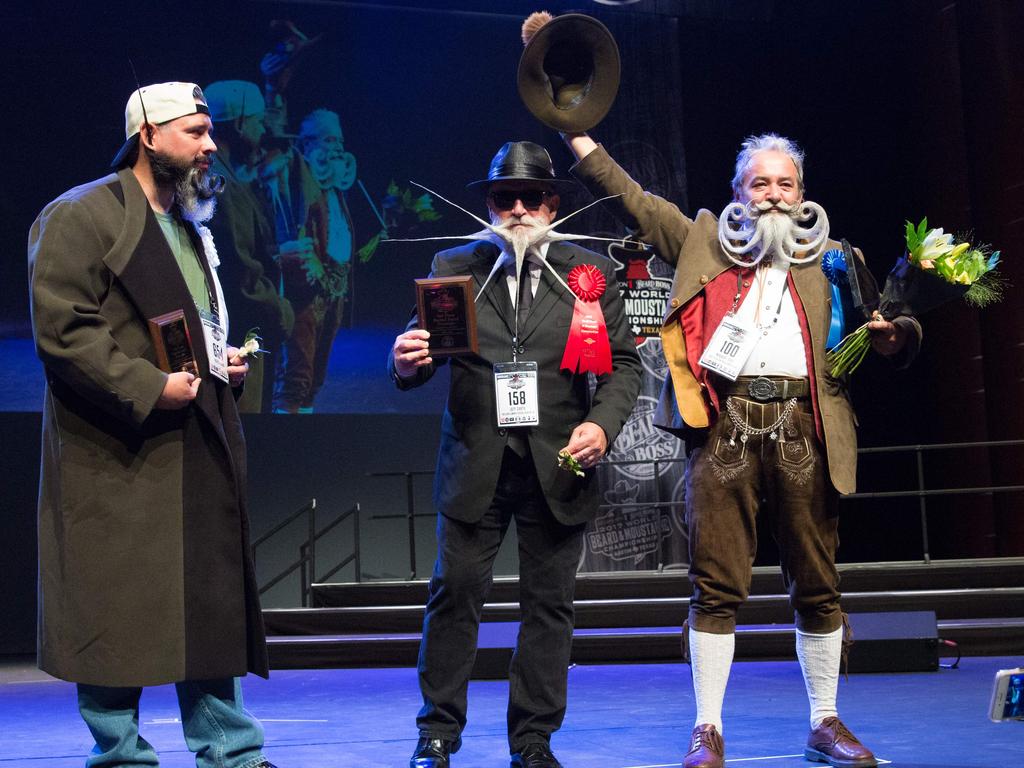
(856, 577)
(977, 637)
(636, 617)
(636, 612)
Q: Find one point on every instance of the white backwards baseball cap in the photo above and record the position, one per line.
(234, 99)
(157, 104)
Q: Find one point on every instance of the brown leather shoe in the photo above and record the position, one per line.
(707, 749)
(832, 743)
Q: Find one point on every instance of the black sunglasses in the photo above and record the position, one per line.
(531, 198)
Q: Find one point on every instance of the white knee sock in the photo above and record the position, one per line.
(710, 659)
(819, 657)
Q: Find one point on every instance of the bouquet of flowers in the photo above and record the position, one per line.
(397, 205)
(935, 269)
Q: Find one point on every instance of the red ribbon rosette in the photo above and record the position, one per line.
(587, 348)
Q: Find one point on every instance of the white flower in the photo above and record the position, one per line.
(935, 245)
(251, 347)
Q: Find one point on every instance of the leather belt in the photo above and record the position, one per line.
(764, 389)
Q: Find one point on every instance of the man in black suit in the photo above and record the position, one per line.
(488, 474)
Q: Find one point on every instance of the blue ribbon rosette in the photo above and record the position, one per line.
(833, 264)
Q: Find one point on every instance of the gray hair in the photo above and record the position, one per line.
(767, 142)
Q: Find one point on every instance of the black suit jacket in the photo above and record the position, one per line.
(472, 445)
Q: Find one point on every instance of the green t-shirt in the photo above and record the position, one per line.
(187, 258)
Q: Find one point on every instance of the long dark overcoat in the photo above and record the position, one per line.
(145, 575)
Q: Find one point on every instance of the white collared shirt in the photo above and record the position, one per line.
(780, 349)
(531, 263)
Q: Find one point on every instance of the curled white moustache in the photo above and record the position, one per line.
(748, 233)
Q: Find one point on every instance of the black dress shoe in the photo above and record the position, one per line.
(431, 753)
(535, 756)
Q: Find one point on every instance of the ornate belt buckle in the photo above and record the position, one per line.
(762, 389)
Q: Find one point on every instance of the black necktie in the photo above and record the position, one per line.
(517, 440)
(525, 294)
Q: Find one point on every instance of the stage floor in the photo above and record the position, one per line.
(635, 716)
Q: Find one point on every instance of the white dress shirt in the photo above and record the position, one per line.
(768, 308)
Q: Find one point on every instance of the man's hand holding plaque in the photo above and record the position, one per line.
(173, 343)
(411, 352)
(448, 315)
(180, 389)
(175, 356)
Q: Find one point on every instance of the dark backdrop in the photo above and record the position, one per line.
(906, 108)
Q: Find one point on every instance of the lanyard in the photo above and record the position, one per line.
(515, 307)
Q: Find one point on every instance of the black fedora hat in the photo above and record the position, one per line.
(521, 161)
(569, 72)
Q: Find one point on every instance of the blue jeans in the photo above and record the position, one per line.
(216, 726)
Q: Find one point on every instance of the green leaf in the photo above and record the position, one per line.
(569, 464)
(422, 203)
(366, 252)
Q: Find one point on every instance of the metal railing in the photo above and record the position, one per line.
(921, 492)
(410, 511)
(307, 559)
(306, 563)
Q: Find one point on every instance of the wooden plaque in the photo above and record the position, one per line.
(446, 309)
(173, 343)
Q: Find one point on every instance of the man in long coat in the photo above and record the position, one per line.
(244, 232)
(145, 571)
(776, 426)
(488, 474)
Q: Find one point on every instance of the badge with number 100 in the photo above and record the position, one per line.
(730, 347)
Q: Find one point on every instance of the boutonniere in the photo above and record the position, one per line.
(251, 345)
(588, 347)
(569, 464)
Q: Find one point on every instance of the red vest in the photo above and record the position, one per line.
(703, 314)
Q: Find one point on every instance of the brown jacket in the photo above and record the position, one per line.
(691, 246)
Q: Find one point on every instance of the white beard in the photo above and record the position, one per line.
(516, 236)
(330, 169)
(194, 206)
(748, 233)
(514, 245)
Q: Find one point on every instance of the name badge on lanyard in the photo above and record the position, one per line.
(731, 345)
(515, 387)
(216, 344)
